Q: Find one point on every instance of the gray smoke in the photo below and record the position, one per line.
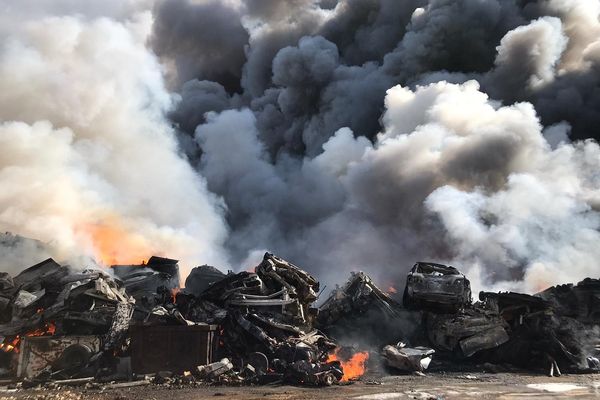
(88, 162)
(202, 40)
(342, 135)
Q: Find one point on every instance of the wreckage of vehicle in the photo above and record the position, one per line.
(550, 331)
(431, 283)
(133, 323)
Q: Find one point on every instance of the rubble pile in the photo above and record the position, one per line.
(554, 330)
(267, 322)
(133, 322)
(360, 312)
(49, 299)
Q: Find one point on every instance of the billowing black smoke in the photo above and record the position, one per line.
(341, 135)
(320, 157)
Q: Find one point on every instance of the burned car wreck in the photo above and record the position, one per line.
(431, 283)
(550, 331)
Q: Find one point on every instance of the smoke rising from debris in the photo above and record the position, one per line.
(341, 135)
(89, 164)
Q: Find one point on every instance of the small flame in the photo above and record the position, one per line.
(354, 367)
(13, 344)
(392, 290)
(174, 292)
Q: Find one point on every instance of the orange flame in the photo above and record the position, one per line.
(114, 243)
(14, 344)
(354, 367)
(392, 290)
(174, 292)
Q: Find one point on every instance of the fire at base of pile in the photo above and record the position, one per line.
(134, 323)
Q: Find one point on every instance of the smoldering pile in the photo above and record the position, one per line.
(134, 324)
(61, 324)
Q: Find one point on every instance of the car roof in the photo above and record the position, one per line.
(447, 269)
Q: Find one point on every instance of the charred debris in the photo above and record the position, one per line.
(133, 323)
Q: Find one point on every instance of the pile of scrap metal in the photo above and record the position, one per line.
(76, 317)
(360, 312)
(151, 284)
(266, 322)
(555, 329)
(57, 322)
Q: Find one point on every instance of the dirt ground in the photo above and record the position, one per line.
(432, 386)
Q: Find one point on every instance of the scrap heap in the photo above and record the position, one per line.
(556, 328)
(266, 321)
(260, 324)
(50, 299)
(360, 312)
(133, 320)
(553, 330)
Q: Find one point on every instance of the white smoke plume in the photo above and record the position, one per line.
(88, 163)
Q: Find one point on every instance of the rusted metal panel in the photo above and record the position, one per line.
(171, 348)
(39, 352)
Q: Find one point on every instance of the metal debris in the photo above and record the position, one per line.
(60, 324)
(410, 359)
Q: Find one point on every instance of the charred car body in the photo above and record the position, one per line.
(431, 283)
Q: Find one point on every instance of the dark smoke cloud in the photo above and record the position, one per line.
(553, 63)
(366, 30)
(336, 165)
(456, 36)
(203, 40)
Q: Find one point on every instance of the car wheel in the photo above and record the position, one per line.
(328, 379)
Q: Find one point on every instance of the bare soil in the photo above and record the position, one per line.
(431, 386)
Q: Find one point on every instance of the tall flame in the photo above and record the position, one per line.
(354, 367)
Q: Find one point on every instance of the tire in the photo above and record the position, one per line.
(328, 379)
